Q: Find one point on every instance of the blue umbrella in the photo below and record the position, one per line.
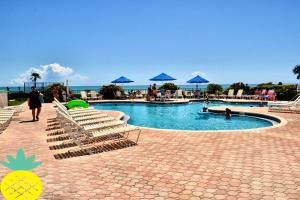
(198, 79)
(162, 77)
(122, 79)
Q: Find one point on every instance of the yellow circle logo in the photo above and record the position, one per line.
(21, 185)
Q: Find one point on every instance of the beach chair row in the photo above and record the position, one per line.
(93, 95)
(258, 95)
(6, 115)
(84, 126)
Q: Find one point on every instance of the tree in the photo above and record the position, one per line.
(296, 71)
(34, 77)
(169, 86)
(53, 89)
(214, 88)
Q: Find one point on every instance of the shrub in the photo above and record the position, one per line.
(239, 85)
(48, 94)
(214, 88)
(169, 86)
(285, 92)
(108, 91)
(268, 85)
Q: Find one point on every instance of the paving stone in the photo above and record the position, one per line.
(256, 164)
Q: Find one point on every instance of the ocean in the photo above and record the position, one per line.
(77, 89)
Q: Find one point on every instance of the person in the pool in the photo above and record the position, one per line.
(228, 113)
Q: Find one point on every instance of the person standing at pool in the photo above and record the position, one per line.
(34, 103)
(154, 91)
(149, 93)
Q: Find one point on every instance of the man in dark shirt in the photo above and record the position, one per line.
(34, 103)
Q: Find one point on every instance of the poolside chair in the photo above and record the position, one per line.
(292, 108)
(86, 115)
(271, 95)
(159, 97)
(263, 94)
(6, 116)
(118, 95)
(168, 94)
(77, 112)
(83, 95)
(178, 94)
(188, 94)
(212, 96)
(230, 94)
(85, 138)
(94, 121)
(289, 103)
(144, 93)
(83, 115)
(239, 94)
(97, 123)
(139, 94)
(94, 95)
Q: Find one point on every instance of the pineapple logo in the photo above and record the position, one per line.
(21, 184)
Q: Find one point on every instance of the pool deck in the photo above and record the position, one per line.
(260, 164)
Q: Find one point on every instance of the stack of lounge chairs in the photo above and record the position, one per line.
(87, 126)
(6, 115)
(290, 106)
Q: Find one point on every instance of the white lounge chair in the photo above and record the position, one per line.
(285, 108)
(5, 118)
(83, 95)
(230, 94)
(84, 137)
(239, 94)
(75, 111)
(178, 94)
(297, 100)
(94, 95)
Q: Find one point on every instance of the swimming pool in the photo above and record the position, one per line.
(184, 116)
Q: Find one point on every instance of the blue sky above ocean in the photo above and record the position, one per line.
(94, 42)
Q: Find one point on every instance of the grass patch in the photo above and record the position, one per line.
(16, 102)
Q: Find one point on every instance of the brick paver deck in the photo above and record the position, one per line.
(263, 164)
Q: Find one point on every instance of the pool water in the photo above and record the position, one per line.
(184, 116)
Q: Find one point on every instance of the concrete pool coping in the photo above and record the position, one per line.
(175, 101)
(250, 111)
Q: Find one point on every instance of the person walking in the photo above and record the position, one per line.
(34, 103)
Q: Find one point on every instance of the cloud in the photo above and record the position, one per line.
(204, 75)
(50, 73)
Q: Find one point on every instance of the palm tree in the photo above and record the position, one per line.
(34, 77)
(296, 71)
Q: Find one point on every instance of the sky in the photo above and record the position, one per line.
(94, 42)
